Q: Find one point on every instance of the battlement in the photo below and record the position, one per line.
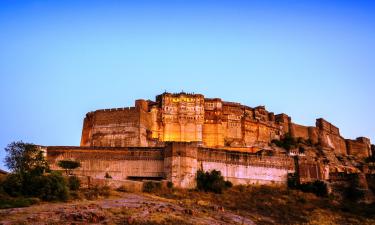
(324, 125)
(235, 104)
(360, 147)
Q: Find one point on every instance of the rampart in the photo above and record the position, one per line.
(177, 162)
(119, 163)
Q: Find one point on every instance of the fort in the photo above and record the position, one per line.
(179, 133)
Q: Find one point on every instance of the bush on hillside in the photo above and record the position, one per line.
(13, 185)
(74, 183)
(50, 187)
(319, 188)
(151, 186)
(212, 181)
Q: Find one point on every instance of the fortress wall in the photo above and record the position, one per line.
(299, 131)
(118, 163)
(145, 127)
(361, 147)
(265, 133)
(245, 168)
(251, 132)
(329, 136)
(283, 120)
(313, 135)
(116, 116)
(212, 134)
(88, 124)
(180, 163)
(172, 132)
(246, 174)
(116, 127)
(256, 132)
(242, 158)
(326, 126)
(177, 162)
(233, 130)
(311, 171)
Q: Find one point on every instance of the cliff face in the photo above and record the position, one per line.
(186, 117)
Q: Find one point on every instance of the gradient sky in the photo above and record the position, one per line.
(61, 59)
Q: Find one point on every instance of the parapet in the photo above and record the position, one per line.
(324, 125)
(282, 118)
(141, 104)
(360, 147)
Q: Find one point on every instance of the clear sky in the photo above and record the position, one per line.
(61, 59)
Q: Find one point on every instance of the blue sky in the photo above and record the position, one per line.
(61, 59)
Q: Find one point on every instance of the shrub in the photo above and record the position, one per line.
(292, 181)
(13, 185)
(18, 202)
(51, 187)
(96, 191)
(74, 183)
(287, 142)
(91, 193)
(151, 186)
(107, 176)
(354, 194)
(169, 185)
(317, 187)
(228, 184)
(104, 191)
(211, 181)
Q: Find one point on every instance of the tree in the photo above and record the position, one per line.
(68, 165)
(25, 158)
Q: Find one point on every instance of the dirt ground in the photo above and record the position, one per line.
(124, 208)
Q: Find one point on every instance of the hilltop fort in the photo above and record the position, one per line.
(179, 133)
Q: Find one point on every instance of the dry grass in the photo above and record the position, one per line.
(272, 205)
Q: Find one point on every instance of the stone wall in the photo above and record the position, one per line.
(112, 128)
(247, 174)
(180, 163)
(299, 131)
(361, 147)
(119, 163)
(329, 136)
(177, 162)
(245, 168)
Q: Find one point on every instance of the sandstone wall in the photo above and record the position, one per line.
(120, 163)
(213, 134)
(245, 168)
(177, 162)
(329, 136)
(311, 171)
(180, 164)
(112, 128)
(299, 131)
(247, 174)
(361, 147)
